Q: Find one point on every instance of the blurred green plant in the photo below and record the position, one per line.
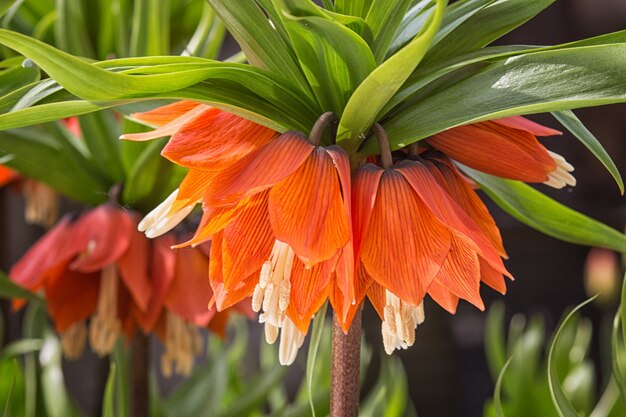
(226, 384)
(537, 377)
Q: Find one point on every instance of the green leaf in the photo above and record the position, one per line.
(380, 86)
(546, 215)
(100, 133)
(497, 394)
(209, 35)
(334, 59)
(20, 347)
(16, 77)
(144, 173)
(495, 347)
(531, 83)
(314, 344)
(150, 28)
(40, 157)
(486, 25)
(617, 354)
(358, 8)
(384, 18)
(563, 407)
(578, 129)
(9, 289)
(108, 402)
(71, 28)
(8, 405)
(262, 45)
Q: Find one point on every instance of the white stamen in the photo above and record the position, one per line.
(399, 323)
(561, 176)
(161, 220)
(291, 340)
(274, 288)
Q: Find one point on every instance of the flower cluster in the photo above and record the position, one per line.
(99, 269)
(293, 223)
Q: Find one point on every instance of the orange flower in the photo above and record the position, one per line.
(433, 244)
(277, 234)
(506, 148)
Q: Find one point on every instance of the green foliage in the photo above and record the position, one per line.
(541, 377)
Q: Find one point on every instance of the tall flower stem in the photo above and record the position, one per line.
(346, 361)
(140, 358)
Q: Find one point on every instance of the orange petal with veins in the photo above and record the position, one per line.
(71, 297)
(460, 272)
(215, 140)
(492, 277)
(309, 290)
(171, 127)
(488, 151)
(522, 123)
(165, 114)
(443, 296)
(259, 170)
(405, 244)
(307, 212)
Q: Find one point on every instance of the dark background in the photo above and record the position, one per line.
(448, 374)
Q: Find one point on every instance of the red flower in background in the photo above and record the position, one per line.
(99, 267)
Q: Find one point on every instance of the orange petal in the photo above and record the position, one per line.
(171, 127)
(404, 245)
(492, 277)
(215, 140)
(163, 264)
(524, 140)
(443, 296)
(366, 181)
(460, 272)
(133, 267)
(222, 298)
(259, 170)
(309, 290)
(103, 234)
(307, 212)
(71, 297)
(522, 123)
(446, 210)
(165, 114)
(489, 152)
(344, 273)
(247, 242)
(462, 193)
(378, 297)
(189, 293)
(30, 270)
(345, 308)
(192, 188)
(6, 175)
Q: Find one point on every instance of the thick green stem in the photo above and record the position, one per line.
(346, 363)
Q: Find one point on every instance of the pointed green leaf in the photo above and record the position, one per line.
(487, 25)
(262, 45)
(384, 18)
(563, 406)
(531, 83)
(358, 8)
(9, 289)
(380, 86)
(71, 32)
(546, 215)
(334, 59)
(150, 28)
(578, 129)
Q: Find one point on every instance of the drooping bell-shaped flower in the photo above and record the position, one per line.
(506, 148)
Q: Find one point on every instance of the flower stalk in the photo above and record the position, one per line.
(140, 356)
(346, 364)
